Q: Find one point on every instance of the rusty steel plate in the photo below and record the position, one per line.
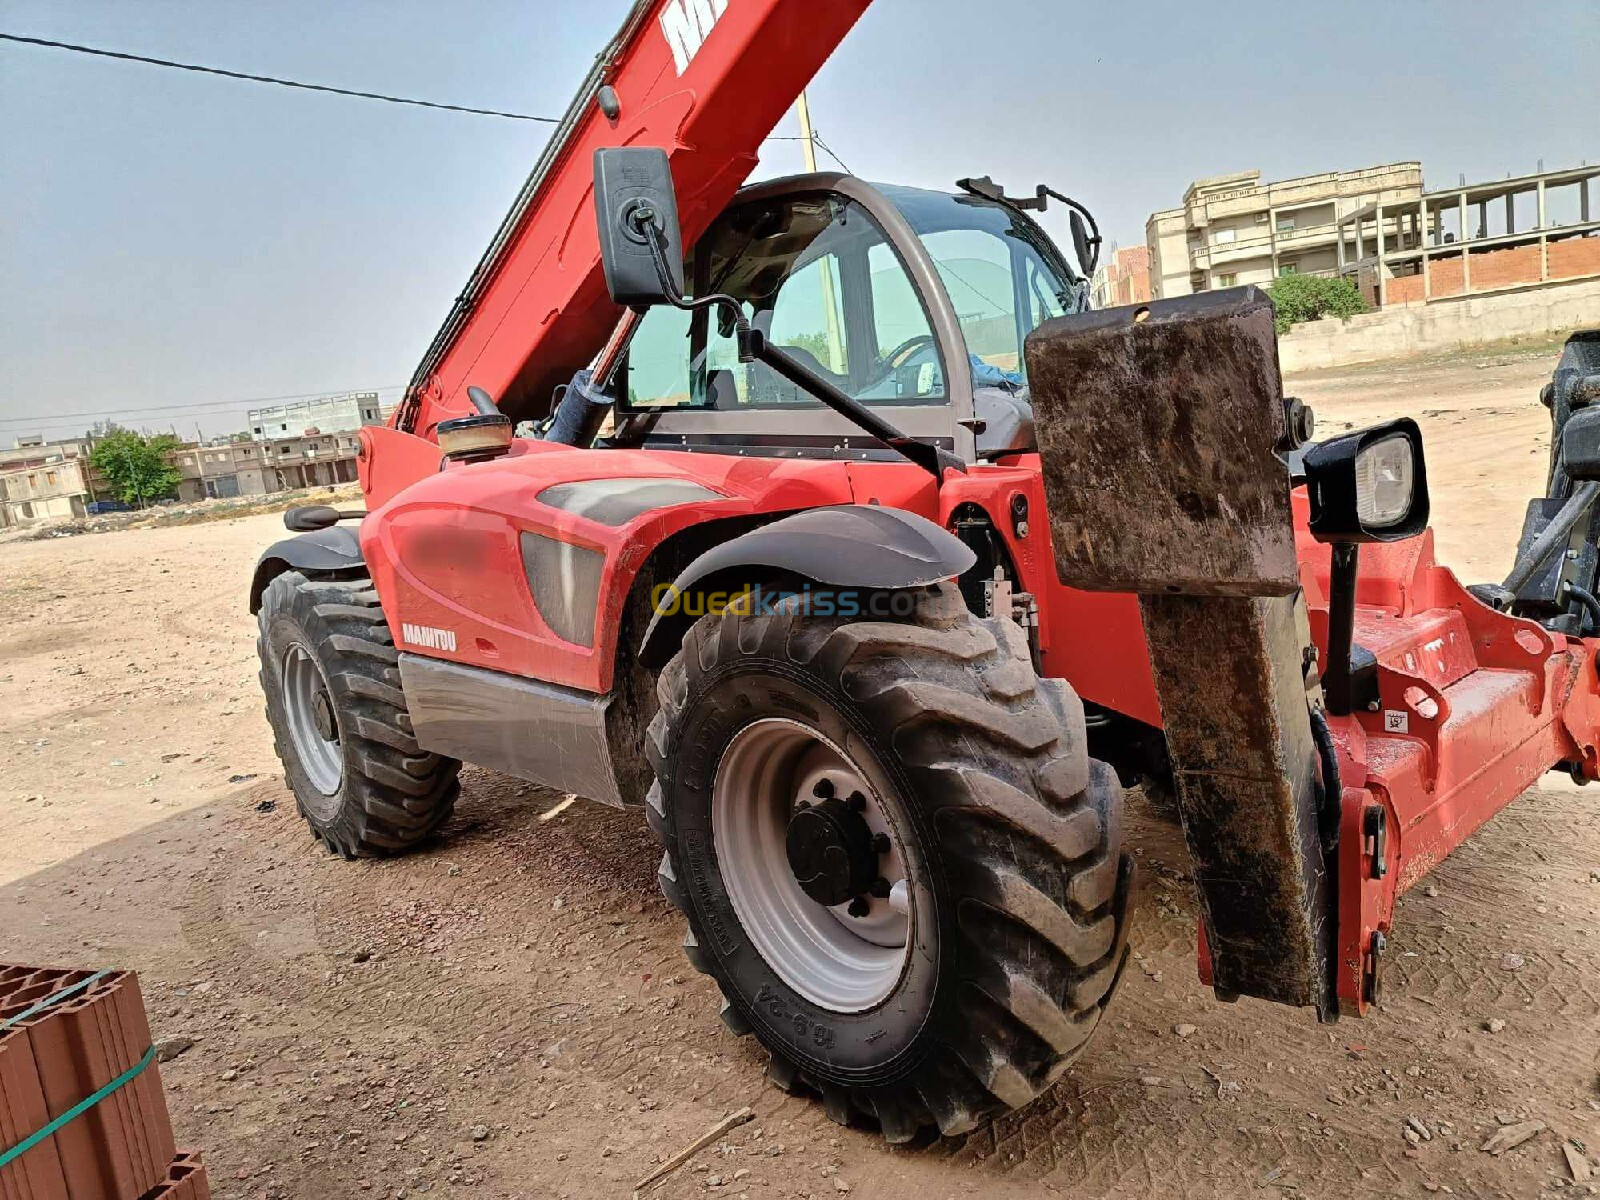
(1158, 425)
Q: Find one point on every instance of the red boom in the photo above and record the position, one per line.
(706, 80)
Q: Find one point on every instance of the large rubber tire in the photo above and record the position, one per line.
(1019, 849)
(391, 795)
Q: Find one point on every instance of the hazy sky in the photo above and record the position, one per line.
(175, 246)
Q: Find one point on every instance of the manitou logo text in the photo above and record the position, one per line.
(687, 24)
(428, 637)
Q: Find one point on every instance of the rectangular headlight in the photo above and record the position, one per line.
(1368, 486)
(1385, 480)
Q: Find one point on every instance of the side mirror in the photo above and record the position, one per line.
(636, 206)
(1580, 444)
(1085, 246)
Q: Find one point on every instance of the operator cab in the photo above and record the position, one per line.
(914, 303)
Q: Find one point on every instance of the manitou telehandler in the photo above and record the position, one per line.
(867, 570)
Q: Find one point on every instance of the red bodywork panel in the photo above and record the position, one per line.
(445, 552)
(1475, 705)
(705, 80)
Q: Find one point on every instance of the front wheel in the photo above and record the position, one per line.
(896, 858)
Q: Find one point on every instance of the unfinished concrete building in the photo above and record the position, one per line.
(223, 470)
(47, 480)
(1529, 231)
(1234, 230)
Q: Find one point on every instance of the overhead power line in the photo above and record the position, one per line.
(288, 83)
(826, 149)
(202, 407)
(124, 56)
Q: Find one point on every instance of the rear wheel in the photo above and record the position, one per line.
(331, 675)
(895, 856)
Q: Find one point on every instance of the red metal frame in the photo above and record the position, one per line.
(1474, 705)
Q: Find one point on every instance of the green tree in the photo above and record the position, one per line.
(136, 466)
(1308, 297)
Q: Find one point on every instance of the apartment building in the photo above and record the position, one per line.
(330, 414)
(1234, 229)
(223, 470)
(43, 481)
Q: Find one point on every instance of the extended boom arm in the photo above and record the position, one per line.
(707, 81)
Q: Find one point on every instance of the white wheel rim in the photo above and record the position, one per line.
(321, 758)
(837, 961)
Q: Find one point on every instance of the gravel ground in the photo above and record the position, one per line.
(509, 1015)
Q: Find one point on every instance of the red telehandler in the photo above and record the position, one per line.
(867, 571)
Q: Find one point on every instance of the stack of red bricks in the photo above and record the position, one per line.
(82, 1116)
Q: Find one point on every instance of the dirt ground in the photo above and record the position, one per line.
(509, 1013)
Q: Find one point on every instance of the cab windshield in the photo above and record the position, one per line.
(821, 280)
(1003, 276)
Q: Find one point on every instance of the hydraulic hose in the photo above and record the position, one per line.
(1588, 602)
(1329, 820)
(1553, 535)
(1332, 787)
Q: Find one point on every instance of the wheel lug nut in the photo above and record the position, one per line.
(822, 789)
(857, 801)
(880, 888)
(881, 843)
(859, 907)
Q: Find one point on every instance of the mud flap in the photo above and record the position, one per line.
(1160, 427)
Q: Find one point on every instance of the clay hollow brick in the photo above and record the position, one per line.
(122, 1148)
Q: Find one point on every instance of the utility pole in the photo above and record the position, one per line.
(807, 134)
(830, 313)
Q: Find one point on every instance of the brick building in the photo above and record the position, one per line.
(1529, 231)
(1124, 278)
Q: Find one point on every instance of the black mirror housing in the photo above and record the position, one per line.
(1580, 444)
(1357, 483)
(308, 518)
(1081, 243)
(633, 192)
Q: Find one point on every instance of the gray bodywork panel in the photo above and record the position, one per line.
(564, 579)
(1005, 422)
(861, 546)
(617, 501)
(541, 732)
(328, 551)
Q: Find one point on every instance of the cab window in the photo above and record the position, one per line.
(818, 277)
(1004, 277)
(658, 360)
